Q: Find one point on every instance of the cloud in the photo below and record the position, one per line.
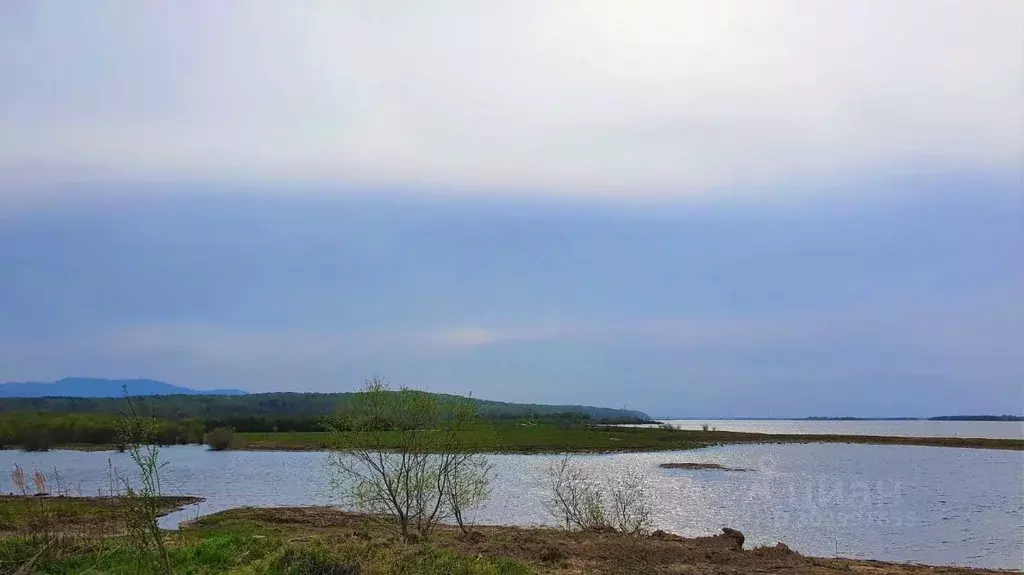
(979, 333)
(792, 364)
(584, 97)
(907, 305)
(469, 337)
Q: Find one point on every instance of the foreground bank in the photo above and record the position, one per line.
(326, 540)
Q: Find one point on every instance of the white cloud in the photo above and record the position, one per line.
(979, 330)
(602, 361)
(578, 97)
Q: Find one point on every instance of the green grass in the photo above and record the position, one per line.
(242, 550)
(70, 535)
(26, 513)
(509, 438)
(530, 437)
(326, 541)
(390, 559)
(216, 553)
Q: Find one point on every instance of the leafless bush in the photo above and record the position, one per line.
(631, 510)
(467, 484)
(404, 454)
(579, 502)
(575, 499)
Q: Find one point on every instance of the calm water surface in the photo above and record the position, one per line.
(915, 428)
(897, 503)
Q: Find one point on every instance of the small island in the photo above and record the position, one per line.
(700, 466)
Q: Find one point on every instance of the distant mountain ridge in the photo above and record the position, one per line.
(99, 387)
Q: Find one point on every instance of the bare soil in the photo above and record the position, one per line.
(553, 551)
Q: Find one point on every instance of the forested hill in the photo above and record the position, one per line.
(279, 405)
(97, 387)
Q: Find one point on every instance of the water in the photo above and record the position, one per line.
(896, 503)
(908, 428)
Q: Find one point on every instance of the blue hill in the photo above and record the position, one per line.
(96, 387)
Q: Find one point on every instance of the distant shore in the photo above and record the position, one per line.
(609, 439)
(529, 439)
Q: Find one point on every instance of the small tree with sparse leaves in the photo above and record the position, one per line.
(407, 455)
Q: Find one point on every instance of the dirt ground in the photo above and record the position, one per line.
(552, 551)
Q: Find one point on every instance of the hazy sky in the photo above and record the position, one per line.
(690, 208)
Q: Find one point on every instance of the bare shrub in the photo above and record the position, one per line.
(631, 510)
(405, 454)
(467, 484)
(575, 499)
(579, 502)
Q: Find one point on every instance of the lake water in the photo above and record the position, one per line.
(897, 503)
(909, 428)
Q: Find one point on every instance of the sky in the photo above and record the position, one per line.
(691, 208)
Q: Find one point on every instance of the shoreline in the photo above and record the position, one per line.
(603, 439)
(721, 551)
(268, 536)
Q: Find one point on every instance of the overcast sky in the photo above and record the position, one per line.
(690, 208)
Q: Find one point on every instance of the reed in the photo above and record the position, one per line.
(18, 478)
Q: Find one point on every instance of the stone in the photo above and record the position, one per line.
(735, 535)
